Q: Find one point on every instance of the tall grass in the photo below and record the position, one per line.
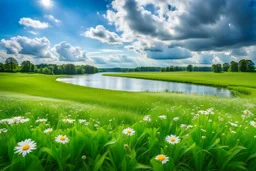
(210, 139)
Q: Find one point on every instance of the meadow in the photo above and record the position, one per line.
(49, 125)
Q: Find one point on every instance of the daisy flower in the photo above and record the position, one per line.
(172, 139)
(163, 117)
(48, 130)
(147, 118)
(162, 158)
(41, 120)
(25, 147)
(62, 139)
(176, 118)
(68, 121)
(129, 131)
(82, 121)
(3, 130)
(253, 123)
(247, 114)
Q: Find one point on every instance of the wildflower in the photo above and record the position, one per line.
(203, 130)
(147, 118)
(25, 147)
(190, 126)
(183, 125)
(48, 130)
(62, 139)
(41, 120)
(129, 131)
(172, 139)
(209, 120)
(233, 124)
(176, 118)
(68, 121)
(203, 137)
(163, 117)
(83, 157)
(162, 158)
(3, 130)
(253, 123)
(247, 114)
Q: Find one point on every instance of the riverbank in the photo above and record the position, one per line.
(245, 83)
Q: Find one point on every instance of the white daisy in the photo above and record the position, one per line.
(147, 118)
(176, 118)
(183, 125)
(129, 131)
(68, 121)
(62, 139)
(247, 114)
(172, 139)
(163, 117)
(48, 130)
(41, 120)
(253, 123)
(25, 147)
(162, 158)
(82, 121)
(3, 130)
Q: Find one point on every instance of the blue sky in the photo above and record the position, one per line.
(128, 33)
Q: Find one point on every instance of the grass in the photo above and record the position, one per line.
(218, 138)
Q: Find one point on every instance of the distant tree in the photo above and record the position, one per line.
(163, 70)
(242, 65)
(190, 68)
(233, 67)
(217, 68)
(26, 66)
(225, 67)
(55, 69)
(250, 66)
(47, 71)
(1, 67)
(11, 64)
(168, 69)
(69, 69)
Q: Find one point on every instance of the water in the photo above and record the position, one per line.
(137, 85)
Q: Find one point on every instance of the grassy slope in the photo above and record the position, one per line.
(238, 81)
(139, 103)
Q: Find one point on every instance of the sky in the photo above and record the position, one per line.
(128, 33)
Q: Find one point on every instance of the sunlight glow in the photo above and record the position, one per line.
(46, 3)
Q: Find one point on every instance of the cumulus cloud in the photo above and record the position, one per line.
(36, 24)
(213, 25)
(67, 52)
(103, 35)
(38, 47)
(52, 18)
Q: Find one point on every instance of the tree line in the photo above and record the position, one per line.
(241, 66)
(189, 68)
(12, 65)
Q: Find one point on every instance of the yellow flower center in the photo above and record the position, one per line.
(62, 138)
(25, 147)
(254, 123)
(172, 139)
(129, 131)
(161, 157)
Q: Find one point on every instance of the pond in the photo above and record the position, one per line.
(138, 85)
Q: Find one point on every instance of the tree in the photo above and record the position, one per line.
(190, 68)
(11, 64)
(47, 71)
(1, 67)
(25, 66)
(250, 66)
(242, 65)
(217, 68)
(225, 67)
(233, 67)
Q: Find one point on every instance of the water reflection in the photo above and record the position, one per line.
(137, 85)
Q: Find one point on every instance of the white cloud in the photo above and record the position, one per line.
(38, 47)
(36, 24)
(103, 35)
(32, 32)
(67, 52)
(52, 18)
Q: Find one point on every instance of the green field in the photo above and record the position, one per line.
(213, 134)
